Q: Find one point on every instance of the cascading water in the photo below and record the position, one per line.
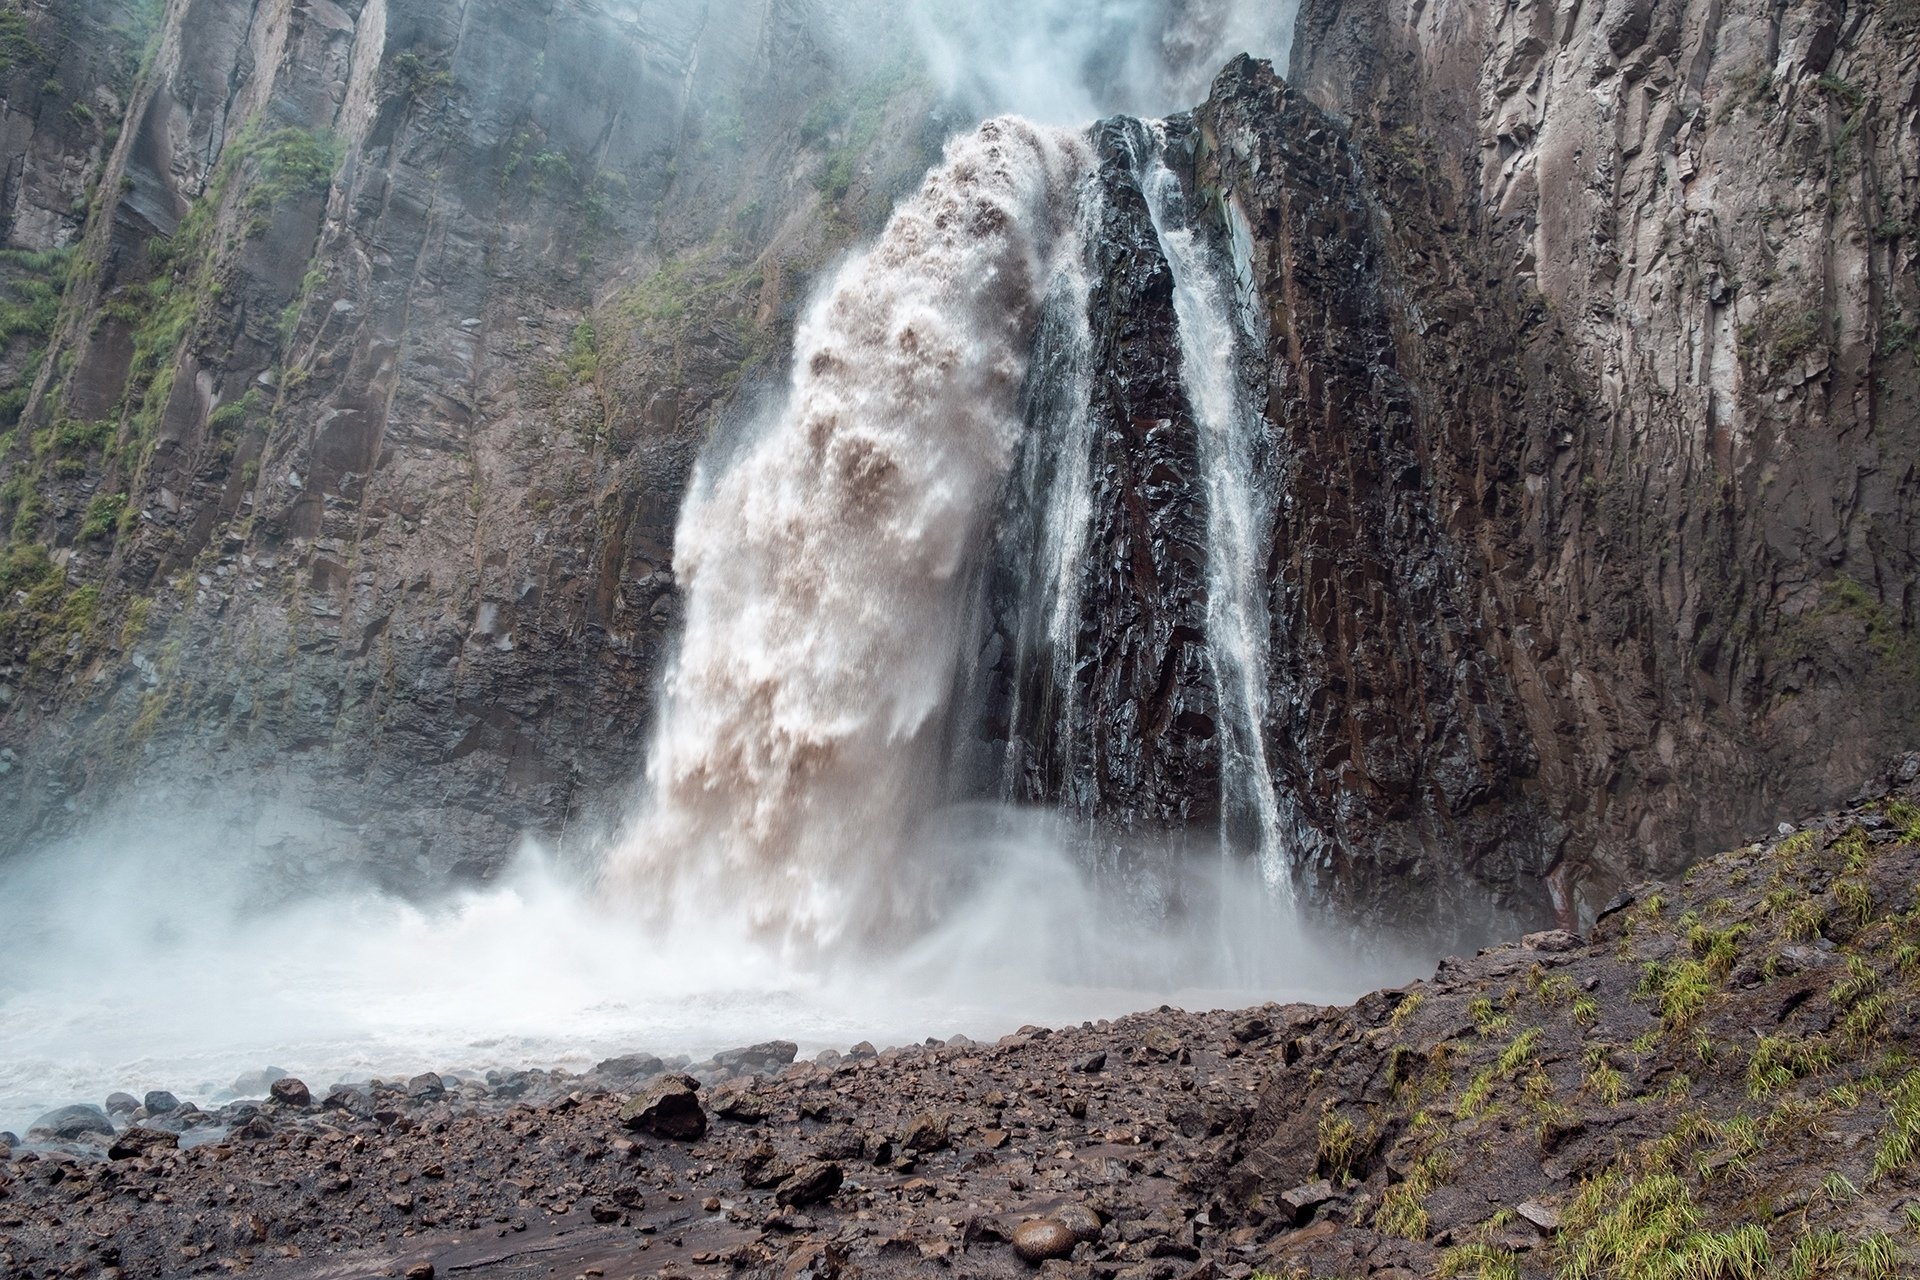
(1210, 347)
(822, 568)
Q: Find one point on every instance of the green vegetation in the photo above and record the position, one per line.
(1402, 1211)
(17, 46)
(415, 78)
(287, 164)
(1844, 92)
(1337, 1144)
(849, 122)
(103, 516)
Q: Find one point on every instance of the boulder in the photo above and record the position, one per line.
(122, 1104)
(254, 1084)
(928, 1132)
(810, 1184)
(69, 1123)
(670, 1109)
(289, 1092)
(426, 1086)
(629, 1068)
(158, 1102)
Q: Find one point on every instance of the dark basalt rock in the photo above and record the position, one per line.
(1140, 751)
(139, 1141)
(670, 1109)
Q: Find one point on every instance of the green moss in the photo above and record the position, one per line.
(287, 164)
(103, 516)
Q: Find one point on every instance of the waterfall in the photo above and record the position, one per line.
(822, 567)
(1211, 345)
(1052, 503)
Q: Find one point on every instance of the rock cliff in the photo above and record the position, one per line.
(1654, 295)
(358, 356)
(343, 482)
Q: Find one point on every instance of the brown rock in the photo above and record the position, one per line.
(1077, 1218)
(670, 1109)
(289, 1092)
(928, 1132)
(810, 1184)
(1043, 1238)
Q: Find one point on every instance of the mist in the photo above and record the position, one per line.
(134, 960)
(1072, 61)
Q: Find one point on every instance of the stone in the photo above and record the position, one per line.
(741, 1102)
(1302, 1200)
(420, 1271)
(70, 1123)
(426, 1086)
(762, 1167)
(254, 1129)
(140, 1141)
(1161, 1042)
(122, 1104)
(158, 1102)
(1079, 1219)
(1553, 941)
(1544, 1217)
(1092, 1064)
(669, 1109)
(630, 1067)
(1039, 1239)
(1250, 1028)
(289, 1092)
(768, 1057)
(928, 1132)
(810, 1184)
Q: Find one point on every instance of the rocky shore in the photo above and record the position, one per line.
(1722, 1080)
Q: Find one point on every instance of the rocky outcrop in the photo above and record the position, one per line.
(342, 507)
(1109, 712)
(1652, 274)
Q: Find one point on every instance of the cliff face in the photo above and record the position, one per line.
(1655, 294)
(343, 497)
(359, 368)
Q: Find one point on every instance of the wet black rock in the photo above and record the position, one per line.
(771, 1056)
(122, 1104)
(669, 1109)
(426, 1086)
(158, 1102)
(140, 1141)
(629, 1068)
(71, 1123)
(810, 1184)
